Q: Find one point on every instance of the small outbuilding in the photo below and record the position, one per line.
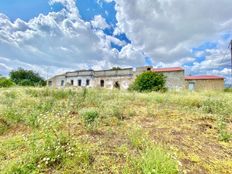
(204, 82)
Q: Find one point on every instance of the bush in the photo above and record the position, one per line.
(149, 81)
(26, 78)
(89, 116)
(4, 82)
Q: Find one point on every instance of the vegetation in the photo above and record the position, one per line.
(116, 68)
(228, 89)
(5, 82)
(24, 77)
(149, 81)
(45, 130)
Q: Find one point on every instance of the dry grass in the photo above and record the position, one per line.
(84, 131)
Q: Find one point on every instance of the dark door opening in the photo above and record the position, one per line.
(87, 82)
(72, 82)
(102, 83)
(62, 82)
(117, 85)
(79, 82)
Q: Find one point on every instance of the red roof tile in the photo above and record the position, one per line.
(203, 77)
(173, 69)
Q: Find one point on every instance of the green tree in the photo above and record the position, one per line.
(26, 78)
(149, 81)
(4, 82)
(116, 68)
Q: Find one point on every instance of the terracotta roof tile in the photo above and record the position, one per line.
(203, 77)
(173, 69)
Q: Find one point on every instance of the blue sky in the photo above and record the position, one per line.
(58, 35)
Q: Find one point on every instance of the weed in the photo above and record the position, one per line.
(138, 138)
(156, 161)
(13, 115)
(55, 139)
(150, 109)
(118, 112)
(3, 126)
(89, 116)
(11, 95)
(85, 92)
(224, 135)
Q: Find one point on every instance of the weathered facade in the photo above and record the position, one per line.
(206, 82)
(122, 78)
(174, 77)
(114, 78)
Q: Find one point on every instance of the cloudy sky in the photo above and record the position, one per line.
(53, 36)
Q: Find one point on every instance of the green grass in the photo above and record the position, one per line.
(45, 130)
(156, 161)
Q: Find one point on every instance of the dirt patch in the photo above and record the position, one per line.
(194, 140)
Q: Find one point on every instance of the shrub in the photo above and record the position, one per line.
(149, 81)
(26, 78)
(4, 82)
(89, 116)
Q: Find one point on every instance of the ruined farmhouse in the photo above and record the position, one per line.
(122, 78)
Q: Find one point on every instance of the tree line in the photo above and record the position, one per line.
(22, 77)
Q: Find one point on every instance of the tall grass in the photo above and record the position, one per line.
(56, 125)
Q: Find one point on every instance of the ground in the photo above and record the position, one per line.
(46, 130)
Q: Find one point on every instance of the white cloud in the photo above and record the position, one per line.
(165, 30)
(168, 29)
(108, 1)
(70, 6)
(59, 39)
(99, 22)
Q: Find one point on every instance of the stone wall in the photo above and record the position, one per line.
(215, 84)
(174, 80)
(121, 78)
(56, 81)
(122, 82)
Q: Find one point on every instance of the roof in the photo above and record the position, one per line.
(203, 77)
(173, 69)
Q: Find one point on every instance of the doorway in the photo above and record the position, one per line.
(102, 83)
(191, 86)
(117, 85)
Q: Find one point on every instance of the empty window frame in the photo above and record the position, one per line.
(102, 83)
(62, 83)
(87, 82)
(79, 82)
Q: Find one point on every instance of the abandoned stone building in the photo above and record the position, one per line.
(122, 78)
(113, 78)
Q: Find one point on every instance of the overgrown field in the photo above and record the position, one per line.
(101, 131)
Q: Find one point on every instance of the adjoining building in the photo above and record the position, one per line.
(204, 82)
(122, 78)
(174, 77)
